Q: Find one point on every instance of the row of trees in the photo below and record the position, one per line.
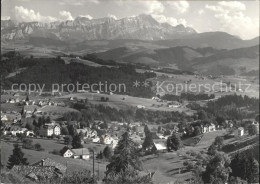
(55, 71)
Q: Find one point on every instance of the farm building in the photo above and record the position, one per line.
(81, 153)
(160, 144)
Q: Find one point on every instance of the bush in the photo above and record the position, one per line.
(38, 147)
(27, 144)
(55, 152)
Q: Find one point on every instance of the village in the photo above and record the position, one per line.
(32, 125)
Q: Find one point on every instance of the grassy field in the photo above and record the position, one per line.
(124, 101)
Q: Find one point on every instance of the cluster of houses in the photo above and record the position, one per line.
(14, 130)
(10, 116)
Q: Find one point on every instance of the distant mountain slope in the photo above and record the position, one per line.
(175, 56)
(218, 40)
(236, 61)
(203, 60)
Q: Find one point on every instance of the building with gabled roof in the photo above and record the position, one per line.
(81, 153)
(50, 162)
(37, 172)
(160, 144)
(49, 130)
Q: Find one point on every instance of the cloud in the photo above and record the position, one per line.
(87, 16)
(25, 15)
(179, 6)
(200, 12)
(231, 17)
(77, 2)
(66, 15)
(112, 16)
(235, 5)
(170, 20)
(5, 17)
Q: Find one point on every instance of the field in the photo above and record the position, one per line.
(124, 101)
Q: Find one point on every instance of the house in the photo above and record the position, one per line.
(68, 153)
(14, 130)
(160, 144)
(96, 140)
(240, 131)
(49, 130)
(36, 173)
(29, 133)
(106, 139)
(81, 153)
(49, 162)
(140, 106)
(208, 128)
(4, 118)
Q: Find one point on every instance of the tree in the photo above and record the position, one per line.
(76, 142)
(129, 176)
(202, 115)
(167, 132)
(174, 142)
(220, 120)
(252, 130)
(125, 155)
(107, 152)
(64, 131)
(148, 141)
(217, 170)
(197, 131)
(212, 150)
(146, 129)
(68, 140)
(48, 120)
(29, 126)
(35, 123)
(100, 155)
(219, 141)
(159, 129)
(17, 158)
(72, 130)
(27, 98)
(38, 147)
(27, 143)
(236, 180)
(246, 167)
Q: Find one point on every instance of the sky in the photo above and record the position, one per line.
(240, 18)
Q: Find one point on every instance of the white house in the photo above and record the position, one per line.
(240, 131)
(140, 106)
(96, 140)
(80, 153)
(208, 128)
(68, 153)
(49, 130)
(160, 144)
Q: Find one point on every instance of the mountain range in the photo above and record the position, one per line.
(139, 39)
(143, 27)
